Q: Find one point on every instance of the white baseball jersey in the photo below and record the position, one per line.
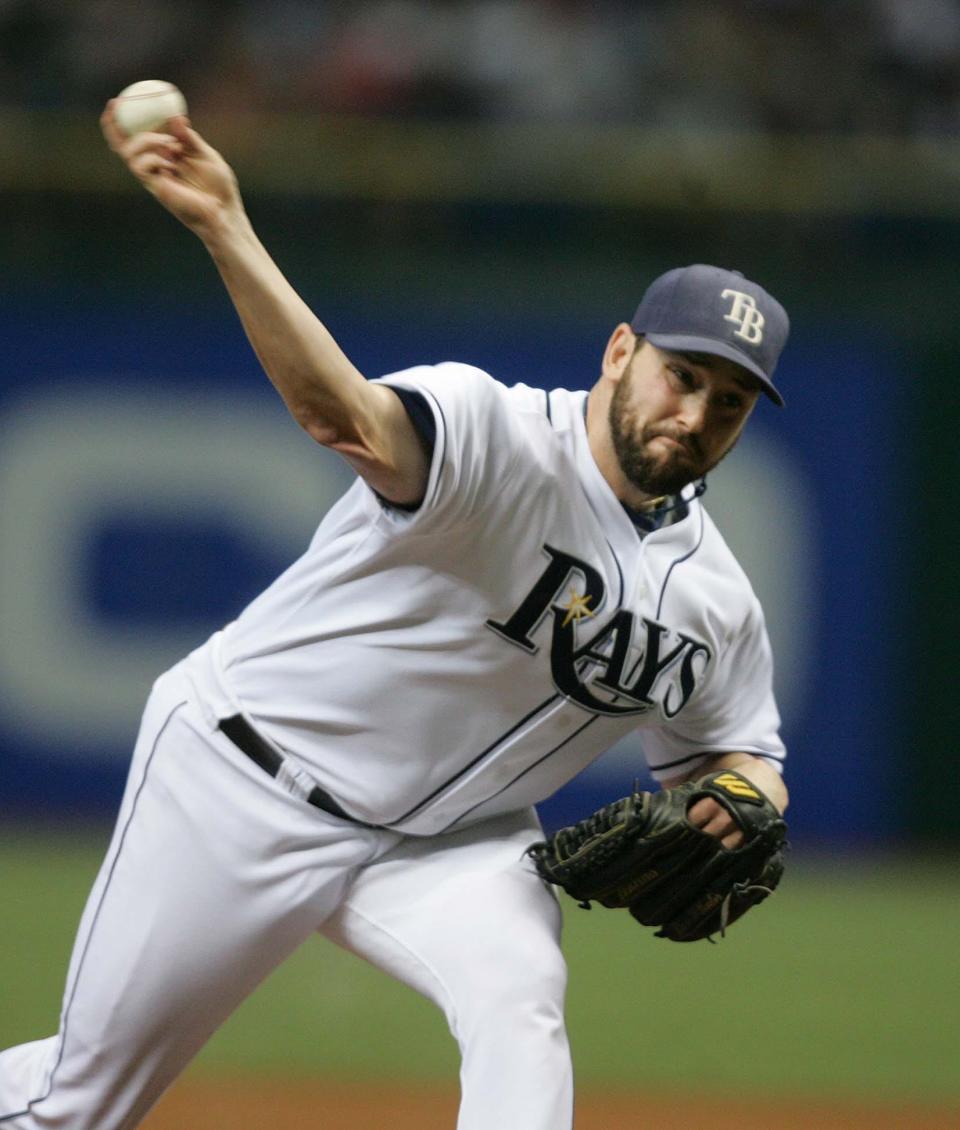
(434, 667)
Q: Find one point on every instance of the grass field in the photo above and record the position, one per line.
(844, 985)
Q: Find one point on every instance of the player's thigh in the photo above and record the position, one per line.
(462, 918)
(213, 877)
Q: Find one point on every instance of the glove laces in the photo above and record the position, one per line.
(739, 890)
(569, 840)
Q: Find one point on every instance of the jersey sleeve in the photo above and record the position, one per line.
(735, 712)
(476, 444)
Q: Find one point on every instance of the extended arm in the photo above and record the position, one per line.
(365, 423)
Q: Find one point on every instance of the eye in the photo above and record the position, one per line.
(731, 401)
(683, 376)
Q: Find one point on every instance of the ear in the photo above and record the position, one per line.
(619, 352)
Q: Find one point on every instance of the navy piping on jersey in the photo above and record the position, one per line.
(618, 603)
(420, 415)
(424, 424)
(480, 756)
(709, 753)
(529, 768)
(446, 432)
(93, 925)
(546, 396)
(556, 749)
(679, 561)
(663, 587)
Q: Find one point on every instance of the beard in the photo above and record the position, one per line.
(655, 474)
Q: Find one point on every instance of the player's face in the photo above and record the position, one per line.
(674, 416)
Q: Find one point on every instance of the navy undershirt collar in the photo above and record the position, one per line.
(664, 514)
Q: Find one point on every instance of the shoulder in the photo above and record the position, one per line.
(449, 380)
(456, 380)
(472, 406)
(484, 431)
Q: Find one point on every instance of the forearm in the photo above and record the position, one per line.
(364, 422)
(318, 383)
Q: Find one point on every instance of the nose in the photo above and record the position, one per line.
(692, 412)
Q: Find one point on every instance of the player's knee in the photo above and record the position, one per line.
(521, 994)
(527, 972)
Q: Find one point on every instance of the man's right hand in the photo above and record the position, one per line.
(182, 171)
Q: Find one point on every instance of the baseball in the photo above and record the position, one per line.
(147, 105)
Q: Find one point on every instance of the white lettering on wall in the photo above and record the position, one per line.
(71, 456)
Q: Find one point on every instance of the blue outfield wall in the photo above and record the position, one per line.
(151, 483)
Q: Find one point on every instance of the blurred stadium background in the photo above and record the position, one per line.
(497, 181)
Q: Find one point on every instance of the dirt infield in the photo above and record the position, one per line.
(239, 1105)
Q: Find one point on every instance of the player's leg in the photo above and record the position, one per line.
(213, 877)
(465, 921)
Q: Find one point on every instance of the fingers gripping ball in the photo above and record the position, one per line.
(641, 852)
(147, 106)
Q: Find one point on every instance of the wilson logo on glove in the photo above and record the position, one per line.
(738, 786)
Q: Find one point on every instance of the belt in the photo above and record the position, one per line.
(259, 750)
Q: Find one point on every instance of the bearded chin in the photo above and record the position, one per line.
(653, 476)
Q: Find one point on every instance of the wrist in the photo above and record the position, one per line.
(767, 779)
(226, 232)
(757, 770)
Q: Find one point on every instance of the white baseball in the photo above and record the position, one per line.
(147, 105)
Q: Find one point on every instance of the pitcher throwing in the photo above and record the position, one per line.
(515, 580)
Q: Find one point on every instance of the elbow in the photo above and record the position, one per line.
(340, 436)
(321, 426)
(319, 431)
(333, 422)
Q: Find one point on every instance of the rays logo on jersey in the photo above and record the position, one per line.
(614, 667)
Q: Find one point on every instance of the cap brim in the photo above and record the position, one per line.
(689, 343)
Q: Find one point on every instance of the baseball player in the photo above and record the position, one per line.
(515, 580)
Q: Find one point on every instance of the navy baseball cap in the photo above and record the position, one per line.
(702, 309)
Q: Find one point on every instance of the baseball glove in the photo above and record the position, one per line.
(641, 852)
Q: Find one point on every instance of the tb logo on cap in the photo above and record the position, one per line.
(746, 315)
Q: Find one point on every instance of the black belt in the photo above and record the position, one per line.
(258, 749)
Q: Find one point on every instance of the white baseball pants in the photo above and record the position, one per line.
(215, 874)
